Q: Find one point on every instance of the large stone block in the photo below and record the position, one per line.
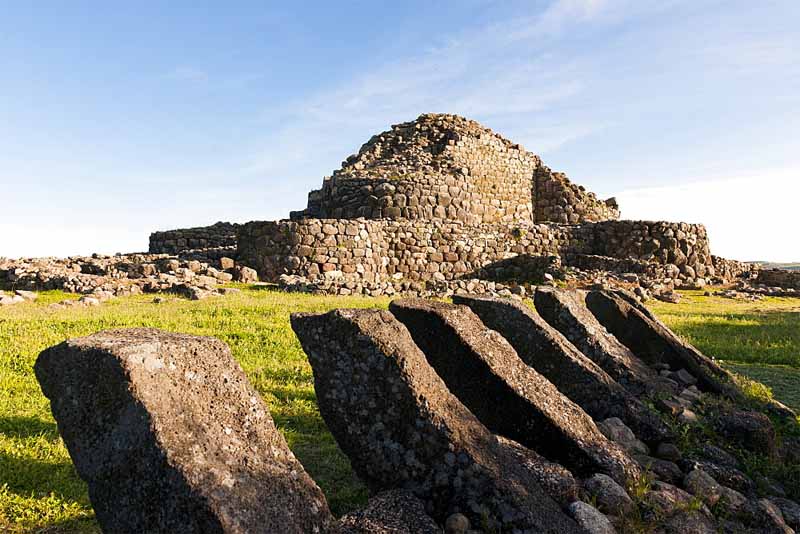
(482, 369)
(402, 428)
(546, 350)
(566, 311)
(171, 437)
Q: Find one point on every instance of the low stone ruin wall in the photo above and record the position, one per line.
(561, 201)
(681, 244)
(731, 269)
(779, 278)
(361, 253)
(210, 242)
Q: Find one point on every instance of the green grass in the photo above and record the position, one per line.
(40, 491)
(764, 332)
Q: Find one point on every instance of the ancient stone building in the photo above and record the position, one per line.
(447, 167)
(440, 200)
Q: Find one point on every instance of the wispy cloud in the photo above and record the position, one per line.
(505, 75)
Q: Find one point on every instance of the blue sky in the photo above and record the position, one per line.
(120, 118)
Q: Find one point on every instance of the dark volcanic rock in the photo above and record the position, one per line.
(171, 437)
(655, 343)
(546, 350)
(566, 311)
(482, 369)
(750, 430)
(402, 428)
(390, 512)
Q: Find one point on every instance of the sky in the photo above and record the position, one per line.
(121, 118)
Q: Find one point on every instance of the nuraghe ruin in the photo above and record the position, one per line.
(442, 204)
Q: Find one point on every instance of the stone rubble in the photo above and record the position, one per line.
(99, 278)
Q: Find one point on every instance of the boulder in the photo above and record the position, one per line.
(546, 350)
(171, 437)
(750, 430)
(402, 428)
(566, 312)
(482, 369)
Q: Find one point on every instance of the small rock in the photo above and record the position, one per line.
(684, 377)
(614, 429)
(27, 295)
(750, 430)
(590, 518)
(89, 301)
(611, 497)
(456, 524)
(701, 485)
(687, 416)
(668, 451)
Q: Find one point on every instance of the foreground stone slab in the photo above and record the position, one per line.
(402, 428)
(652, 341)
(566, 312)
(546, 350)
(482, 369)
(171, 437)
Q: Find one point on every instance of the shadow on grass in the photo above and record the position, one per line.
(769, 337)
(296, 414)
(25, 427)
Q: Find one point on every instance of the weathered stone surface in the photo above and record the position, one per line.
(611, 497)
(390, 512)
(590, 518)
(567, 313)
(401, 427)
(751, 430)
(546, 350)
(171, 437)
(653, 342)
(790, 511)
(482, 369)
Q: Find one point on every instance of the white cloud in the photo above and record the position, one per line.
(748, 218)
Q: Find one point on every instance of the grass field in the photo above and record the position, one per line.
(40, 492)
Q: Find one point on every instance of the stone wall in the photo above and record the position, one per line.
(730, 269)
(779, 278)
(680, 244)
(559, 200)
(363, 253)
(202, 242)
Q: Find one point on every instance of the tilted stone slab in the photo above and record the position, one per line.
(171, 437)
(653, 342)
(482, 369)
(546, 350)
(402, 428)
(566, 311)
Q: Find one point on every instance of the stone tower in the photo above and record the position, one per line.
(447, 167)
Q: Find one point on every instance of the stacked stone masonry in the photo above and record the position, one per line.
(440, 199)
(779, 278)
(367, 255)
(221, 235)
